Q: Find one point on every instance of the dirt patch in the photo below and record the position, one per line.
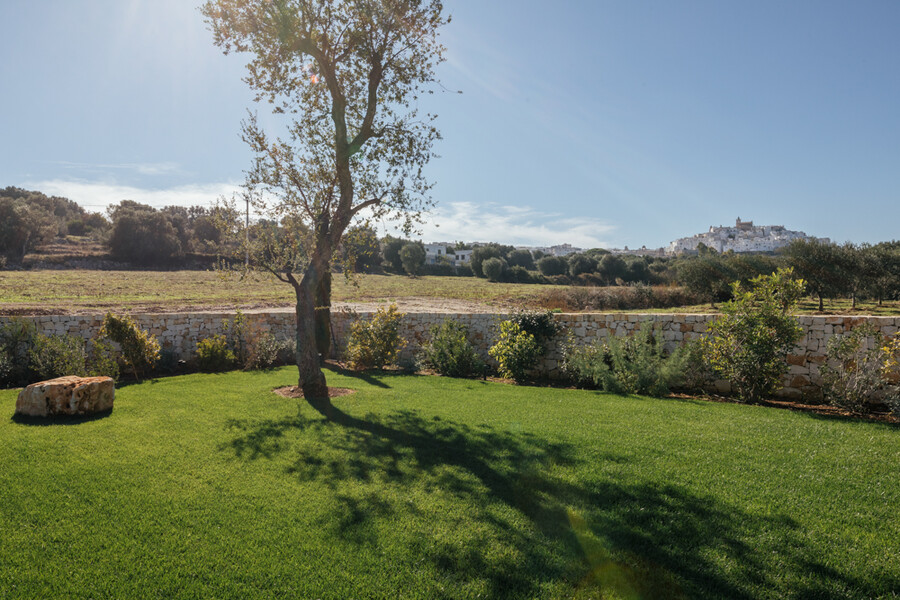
(292, 391)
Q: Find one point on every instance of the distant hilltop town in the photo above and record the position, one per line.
(743, 237)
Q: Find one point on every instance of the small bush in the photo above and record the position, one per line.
(856, 372)
(449, 351)
(634, 365)
(541, 325)
(58, 355)
(376, 342)
(17, 339)
(236, 332)
(103, 359)
(494, 269)
(5, 367)
(140, 350)
(214, 355)
(516, 351)
(263, 351)
(748, 344)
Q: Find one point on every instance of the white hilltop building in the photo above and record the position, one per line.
(743, 237)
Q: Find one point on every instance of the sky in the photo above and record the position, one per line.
(600, 123)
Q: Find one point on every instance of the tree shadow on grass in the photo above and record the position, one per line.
(536, 515)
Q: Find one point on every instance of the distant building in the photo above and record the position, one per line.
(743, 237)
(462, 257)
(433, 252)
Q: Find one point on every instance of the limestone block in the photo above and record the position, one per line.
(64, 396)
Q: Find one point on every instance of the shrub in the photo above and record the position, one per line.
(376, 342)
(748, 344)
(5, 367)
(634, 365)
(2, 262)
(698, 373)
(17, 339)
(494, 269)
(236, 330)
(263, 350)
(214, 355)
(540, 324)
(140, 350)
(58, 355)
(449, 351)
(857, 369)
(516, 351)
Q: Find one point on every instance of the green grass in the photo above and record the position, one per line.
(425, 487)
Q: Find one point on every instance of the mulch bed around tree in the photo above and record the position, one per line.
(292, 391)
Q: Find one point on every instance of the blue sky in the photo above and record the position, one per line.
(595, 122)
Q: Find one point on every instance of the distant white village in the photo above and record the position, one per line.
(744, 236)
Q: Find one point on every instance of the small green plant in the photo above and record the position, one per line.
(236, 332)
(140, 350)
(540, 324)
(58, 355)
(376, 342)
(263, 350)
(634, 365)
(103, 359)
(5, 367)
(748, 344)
(516, 351)
(856, 372)
(214, 355)
(17, 339)
(449, 351)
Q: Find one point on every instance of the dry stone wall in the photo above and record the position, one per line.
(180, 333)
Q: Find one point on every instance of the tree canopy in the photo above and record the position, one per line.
(348, 76)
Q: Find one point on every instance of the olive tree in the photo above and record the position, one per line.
(347, 76)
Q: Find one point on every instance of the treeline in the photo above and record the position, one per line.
(30, 219)
(133, 233)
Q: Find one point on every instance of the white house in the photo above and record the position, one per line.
(433, 252)
(462, 257)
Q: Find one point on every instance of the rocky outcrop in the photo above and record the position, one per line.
(66, 396)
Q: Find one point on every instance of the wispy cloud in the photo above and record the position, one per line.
(163, 168)
(96, 196)
(516, 225)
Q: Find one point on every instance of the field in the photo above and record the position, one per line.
(95, 291)
(427, 487)
(87, 291)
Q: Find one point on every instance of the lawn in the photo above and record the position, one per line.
(426, 487)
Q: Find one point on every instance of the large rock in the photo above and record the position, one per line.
(66, 396)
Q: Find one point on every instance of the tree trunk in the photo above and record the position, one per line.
(821, 304)
(311, 379)
(323, 315)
